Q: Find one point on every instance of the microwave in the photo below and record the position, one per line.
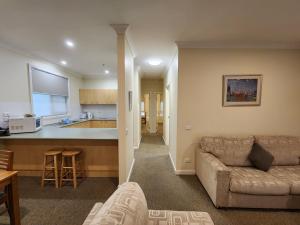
(24, 125)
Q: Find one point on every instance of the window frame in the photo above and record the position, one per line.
(30, 67)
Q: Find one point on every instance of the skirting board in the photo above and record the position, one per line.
(173, 164)
(181, 172)
(130, 171)
(185, 172)
(137, 147)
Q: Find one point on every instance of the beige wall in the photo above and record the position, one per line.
(170, 112)
(151, 85)
(137, 108)
(200, 96)
(14, 82)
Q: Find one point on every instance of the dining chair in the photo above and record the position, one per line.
(6, 163)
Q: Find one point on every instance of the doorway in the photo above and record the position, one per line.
(152, 107)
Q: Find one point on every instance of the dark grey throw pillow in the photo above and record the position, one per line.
(260, 158)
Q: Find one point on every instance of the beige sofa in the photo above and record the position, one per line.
(128, 206)
(230, 180)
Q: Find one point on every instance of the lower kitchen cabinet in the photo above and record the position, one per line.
(94, 124)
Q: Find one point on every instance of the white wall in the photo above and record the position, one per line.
(14, 82)
(108, 111)
(200, 96)
(102, 83)
(170, 124)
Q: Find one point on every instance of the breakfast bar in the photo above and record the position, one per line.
(99, 147)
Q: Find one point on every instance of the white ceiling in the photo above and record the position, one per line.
(40, 28)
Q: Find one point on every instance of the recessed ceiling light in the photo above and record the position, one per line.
(69, 43)
(154, 62)
(63, 62)
(106, 71)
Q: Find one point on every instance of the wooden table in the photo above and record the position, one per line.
(10, 179)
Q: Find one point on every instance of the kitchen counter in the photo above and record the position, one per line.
(55, 132)
(99, 148)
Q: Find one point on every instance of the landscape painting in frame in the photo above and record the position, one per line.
(242, 90)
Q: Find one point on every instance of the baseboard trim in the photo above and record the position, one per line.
(174, 168)
(130, 171)
(163, 139)
(185, 172)
(137, 147)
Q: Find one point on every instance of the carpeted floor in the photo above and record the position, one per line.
(164, 190)
(64, 206)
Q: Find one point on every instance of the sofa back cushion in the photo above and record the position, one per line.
(126, 206)
(285, 149)
(232, 151)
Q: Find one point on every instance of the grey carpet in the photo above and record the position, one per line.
(64, 206)
(164, 190)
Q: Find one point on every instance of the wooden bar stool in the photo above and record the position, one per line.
(50, 170)
(69, 164)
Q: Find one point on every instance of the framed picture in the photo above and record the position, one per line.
(130, 100)
(242, 90)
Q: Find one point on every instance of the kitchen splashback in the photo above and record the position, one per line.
(101, 111)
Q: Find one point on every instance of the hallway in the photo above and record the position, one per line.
(154, 172)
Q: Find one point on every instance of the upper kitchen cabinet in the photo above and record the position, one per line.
(98, 96)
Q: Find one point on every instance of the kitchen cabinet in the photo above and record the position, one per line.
(94, 124)
(85, 124)
(103, 124)
(98, 96)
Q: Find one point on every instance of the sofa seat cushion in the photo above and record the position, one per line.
(248, 180)
(285, 149)
(126, 206)
(232, 151)
(165, 217)
(289, 174)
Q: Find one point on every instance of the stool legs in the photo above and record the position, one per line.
(51, 167)
(62, 170)
(69, 170)
(56, 172)
(74, 171)
(44, 171)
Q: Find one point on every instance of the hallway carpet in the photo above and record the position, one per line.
(164, 190)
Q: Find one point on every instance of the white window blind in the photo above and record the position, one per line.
(49, 93)
(48, 83)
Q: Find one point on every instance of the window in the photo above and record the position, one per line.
(49, 105)
(49, 93)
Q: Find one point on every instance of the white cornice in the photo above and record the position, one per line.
(120, 28)
(238, 45)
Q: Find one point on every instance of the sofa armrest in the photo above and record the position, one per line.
(214, 176)
(159, 217)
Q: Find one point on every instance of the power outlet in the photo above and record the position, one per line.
(187, 160)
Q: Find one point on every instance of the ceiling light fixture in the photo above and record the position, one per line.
(154, 62)
(106, 71)
(63, 62)
(69, 43)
